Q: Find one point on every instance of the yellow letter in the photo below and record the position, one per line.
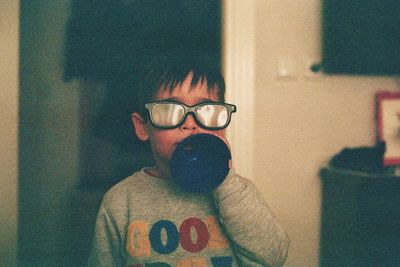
(138, 243)
(198, 262)
(217, 239)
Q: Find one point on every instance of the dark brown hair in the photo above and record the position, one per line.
(168, 71)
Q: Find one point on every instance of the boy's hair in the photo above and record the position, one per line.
(168, 71)
(137, 82)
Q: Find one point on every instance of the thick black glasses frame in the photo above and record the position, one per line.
(191, 110)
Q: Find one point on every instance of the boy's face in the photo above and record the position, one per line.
(164, 141)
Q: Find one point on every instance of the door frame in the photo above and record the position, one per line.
(238, 52)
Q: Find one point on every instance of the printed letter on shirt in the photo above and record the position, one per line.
(138, 244)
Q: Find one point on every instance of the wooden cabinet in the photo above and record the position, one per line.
(360, 224)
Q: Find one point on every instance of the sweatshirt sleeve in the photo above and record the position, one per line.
(257, 237)
(106, 242)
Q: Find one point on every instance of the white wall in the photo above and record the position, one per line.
(301, 122)
(9, 24)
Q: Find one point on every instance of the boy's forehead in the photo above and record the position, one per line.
(188, 91)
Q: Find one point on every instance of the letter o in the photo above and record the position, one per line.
(186, 236)
(172, 237)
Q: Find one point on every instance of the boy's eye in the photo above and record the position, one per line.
(167, 114)
(212, 115)
(209, 115)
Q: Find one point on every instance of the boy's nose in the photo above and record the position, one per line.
(190, 123)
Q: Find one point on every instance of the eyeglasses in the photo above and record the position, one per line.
(209, 115)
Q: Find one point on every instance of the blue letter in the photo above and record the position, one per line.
(157, 264)
(221, 261)
(172, 237)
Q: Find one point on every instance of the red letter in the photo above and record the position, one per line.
(186, 237)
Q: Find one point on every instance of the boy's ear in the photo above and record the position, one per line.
(140, 126)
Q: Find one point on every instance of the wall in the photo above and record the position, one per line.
(9, 14)
(56, 213)
(300, 122)
(53, 228)
(304, 121)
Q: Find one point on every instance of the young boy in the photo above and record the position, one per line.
(146, 220)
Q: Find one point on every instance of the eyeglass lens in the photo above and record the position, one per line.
(171, 114)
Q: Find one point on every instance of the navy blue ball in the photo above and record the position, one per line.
(200, 163)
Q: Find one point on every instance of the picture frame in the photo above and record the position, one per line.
(388, 124)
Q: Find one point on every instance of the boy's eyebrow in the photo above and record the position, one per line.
(173, 99)
(176, 99)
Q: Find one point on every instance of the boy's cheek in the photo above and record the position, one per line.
(222, 133)
(219, 133)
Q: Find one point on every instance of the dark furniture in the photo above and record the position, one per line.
(360, 224)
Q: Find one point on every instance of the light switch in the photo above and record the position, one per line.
(287, 68)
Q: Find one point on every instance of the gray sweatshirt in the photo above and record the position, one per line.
(148, 221)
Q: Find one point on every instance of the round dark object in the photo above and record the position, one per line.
(200, 163)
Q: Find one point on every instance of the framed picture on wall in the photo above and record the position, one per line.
(388, 124)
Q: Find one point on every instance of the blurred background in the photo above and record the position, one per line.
(61, 111)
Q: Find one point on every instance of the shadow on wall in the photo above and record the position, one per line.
(108, 42)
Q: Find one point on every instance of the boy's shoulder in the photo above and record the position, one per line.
(127, 183)
(135, 186)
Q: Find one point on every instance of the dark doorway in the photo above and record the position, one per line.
(76, 139)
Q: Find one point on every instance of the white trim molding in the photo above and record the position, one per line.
(238, 67)
(9, 131)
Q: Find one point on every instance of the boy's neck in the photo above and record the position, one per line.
(159, 172)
